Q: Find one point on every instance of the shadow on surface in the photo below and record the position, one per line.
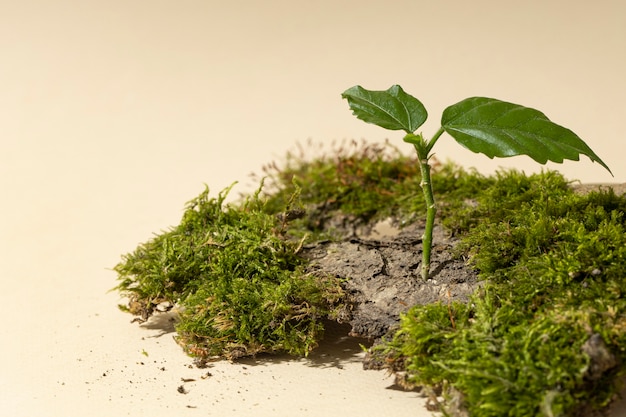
(337, 348)
(335, 351)
(164, 322)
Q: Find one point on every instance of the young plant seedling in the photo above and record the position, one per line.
(480, 124)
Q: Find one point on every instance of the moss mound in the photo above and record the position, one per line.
(545, 335)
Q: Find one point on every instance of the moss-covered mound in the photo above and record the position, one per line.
(545, 335)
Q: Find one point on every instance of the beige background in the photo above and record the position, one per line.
(114, 113)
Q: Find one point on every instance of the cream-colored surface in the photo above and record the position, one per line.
(114, 113)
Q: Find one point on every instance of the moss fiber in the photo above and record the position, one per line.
(553, 264)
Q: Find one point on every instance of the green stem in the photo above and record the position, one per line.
(431, 207)
(431, 210)
(423, 149)
(432, 142)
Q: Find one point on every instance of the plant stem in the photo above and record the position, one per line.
(423, 149)
(432, 141)
(431, 210)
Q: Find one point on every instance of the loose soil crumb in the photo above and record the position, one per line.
(380, 266)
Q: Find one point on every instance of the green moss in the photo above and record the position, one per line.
(238, 280)
(552, 262)
(359, 179)
(367, 182)
(555, 265)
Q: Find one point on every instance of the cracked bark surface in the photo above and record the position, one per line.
(380, 269)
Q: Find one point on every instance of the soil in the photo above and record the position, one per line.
(379, 266)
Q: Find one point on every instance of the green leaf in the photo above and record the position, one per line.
(391, 109)
(497, 128)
